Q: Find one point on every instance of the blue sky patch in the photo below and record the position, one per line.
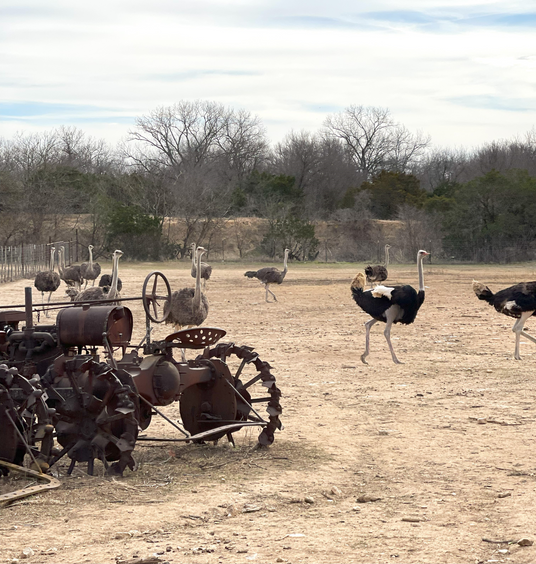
(44, 110)
(495, 103)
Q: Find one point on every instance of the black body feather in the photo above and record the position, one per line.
(106, 280)
(512, 301)
(405, 297)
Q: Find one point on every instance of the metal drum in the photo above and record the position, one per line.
(88, 324)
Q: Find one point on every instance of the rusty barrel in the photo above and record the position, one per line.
(86, 325)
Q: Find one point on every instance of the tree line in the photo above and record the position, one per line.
(204, 163)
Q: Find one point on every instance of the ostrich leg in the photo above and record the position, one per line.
(518, 330)
(368, 325)
(270, 291)
(391, 314)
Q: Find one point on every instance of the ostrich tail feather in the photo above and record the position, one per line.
(250, 273)
(358, 283)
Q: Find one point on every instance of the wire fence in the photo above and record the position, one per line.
(25, 261)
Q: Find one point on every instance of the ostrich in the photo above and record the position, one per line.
(48, 280)
(395, 304)
(206, 269)
(517, 301)
(90, 270)
(270, 275)
(106, 281)
(378, 273)
(103, 292)
(189, 306)
(71, 275)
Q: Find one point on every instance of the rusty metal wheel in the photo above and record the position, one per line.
(153, 297)
(209, 405)
(253, 386)
(25, 419)
(97, 416)
(9, 444)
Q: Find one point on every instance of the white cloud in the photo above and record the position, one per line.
(440, 68)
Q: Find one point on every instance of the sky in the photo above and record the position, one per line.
(461, 71)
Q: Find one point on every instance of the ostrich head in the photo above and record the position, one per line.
(421, 254)
(72, 292)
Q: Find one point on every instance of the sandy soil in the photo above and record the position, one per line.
(421, 462)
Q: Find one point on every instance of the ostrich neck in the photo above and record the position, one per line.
(197, 294)
(421, 274)
(52, 261)
(90, 259)
(285, 267)
(60, 262)
(386, 256)
(113, 286)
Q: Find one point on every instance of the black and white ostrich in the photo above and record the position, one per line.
(206, 269)
(48, 280)
(378, 273)
(389, 304)
(188, 307)
(270, 275)
(517, 301)
(71, 275)
(103, 292)
(90, 270)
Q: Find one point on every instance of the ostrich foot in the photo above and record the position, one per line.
(363, 356)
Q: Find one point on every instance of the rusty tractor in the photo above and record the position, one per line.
(80, 389)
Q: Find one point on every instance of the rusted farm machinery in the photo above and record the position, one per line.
(64, 391)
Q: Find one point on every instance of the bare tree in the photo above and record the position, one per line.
(183, 135)
(198, 151)
(243, 146)
(441, 167)
(374, 139)
(84, 153)
(322, 168)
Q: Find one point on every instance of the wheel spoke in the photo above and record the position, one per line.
(252, 381)
(240, 368)
(260, 400)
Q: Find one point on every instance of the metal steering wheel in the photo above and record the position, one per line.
(153, 299)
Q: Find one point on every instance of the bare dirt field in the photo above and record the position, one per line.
(427, 461)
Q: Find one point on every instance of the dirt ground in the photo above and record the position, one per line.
(427, 461)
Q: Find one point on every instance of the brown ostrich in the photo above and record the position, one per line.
(206, 269)
(48, 280)
(378, 273)
(270, 275)
(188, 307)
(103, 292)
(90, 270)
(71, 275)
